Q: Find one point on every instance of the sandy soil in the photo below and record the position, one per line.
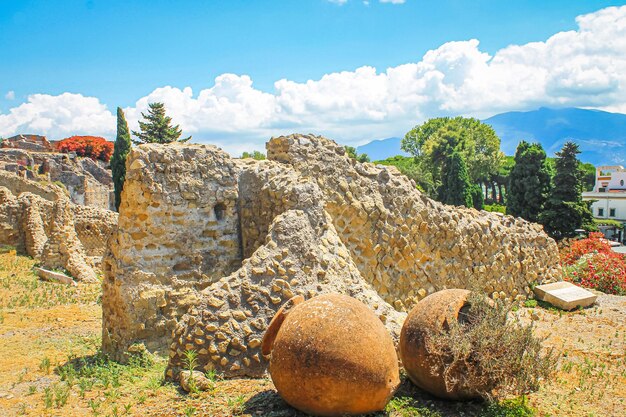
(50, 366)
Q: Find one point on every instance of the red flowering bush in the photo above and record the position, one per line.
(594, 243)
(592, 264)
(93, 147)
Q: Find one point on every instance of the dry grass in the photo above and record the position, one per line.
(50, 365)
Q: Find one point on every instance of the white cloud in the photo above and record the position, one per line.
(339, 2)
(584, 68)
(58, 116)
(393, 1)
(10, 95)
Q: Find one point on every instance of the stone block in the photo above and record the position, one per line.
(565, 295)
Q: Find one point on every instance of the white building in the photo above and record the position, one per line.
(609, 196)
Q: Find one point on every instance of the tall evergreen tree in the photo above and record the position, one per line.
(118, 160)
(157, 127)
(529, 182)
(456, 188)
(478, 200)
(565, 211)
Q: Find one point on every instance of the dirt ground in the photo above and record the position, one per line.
(50, 364)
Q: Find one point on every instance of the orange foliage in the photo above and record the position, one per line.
(93, 147)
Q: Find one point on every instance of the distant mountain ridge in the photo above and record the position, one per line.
(601, 135)
(382, 148)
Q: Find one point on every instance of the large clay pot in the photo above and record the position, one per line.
(431, 315)
(331, 356)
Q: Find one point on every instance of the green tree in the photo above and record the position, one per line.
(157, 127)
(565, 211)
(118, 159)
(413, 167)
(456, 188)
(529, 182)
(477, 143)
(589, 177)
(259, 156)
(478, 200)
(352, 153)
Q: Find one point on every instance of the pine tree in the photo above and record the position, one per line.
(529, 182)
(157, 127)
(565, 211)
(118, 160)
(456, 188)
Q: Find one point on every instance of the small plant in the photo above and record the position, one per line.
(189, 411)
(509, 408)
(191, 363)
(47, 397)
(32, 389)
(236, 405)
(94, 405)
(532, 303)
(488, 354)
(407, 407)
(61, 394)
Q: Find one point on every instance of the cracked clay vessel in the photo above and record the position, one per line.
(426, 370)
(331, 356)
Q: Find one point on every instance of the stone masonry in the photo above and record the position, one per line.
(55, 232)
(209, 247)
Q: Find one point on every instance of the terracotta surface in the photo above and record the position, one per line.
(332, 356)
(431, 315)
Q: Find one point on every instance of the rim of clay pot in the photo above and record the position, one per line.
(272, 330)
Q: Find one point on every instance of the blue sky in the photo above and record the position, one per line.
(120, 52)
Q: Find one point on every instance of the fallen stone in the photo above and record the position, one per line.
(53, 276)
(565, 295)
(202, 383)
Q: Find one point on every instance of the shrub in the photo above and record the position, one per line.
(495, 208)
(487, 353)
(93, 147)
(592, 264)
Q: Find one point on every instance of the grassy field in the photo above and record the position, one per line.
(50, 364)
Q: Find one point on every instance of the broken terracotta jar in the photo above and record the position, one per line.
(331, 356)
(433, 314)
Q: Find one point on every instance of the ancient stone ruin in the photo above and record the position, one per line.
(42, 222)
(208, 247)
(84, 180)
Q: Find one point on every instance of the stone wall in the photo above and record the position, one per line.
(407, 245)
(85, 181)
(28, 142)
(178, 232)
(208, 248)
(18, 185)
(58, 233)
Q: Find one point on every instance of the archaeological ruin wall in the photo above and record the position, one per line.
(54, 231)
(208, 247)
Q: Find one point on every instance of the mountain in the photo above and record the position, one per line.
(382, 149)
(601, 135)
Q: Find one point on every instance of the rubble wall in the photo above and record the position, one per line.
(407, 245)
(178, 232)
(208, 247)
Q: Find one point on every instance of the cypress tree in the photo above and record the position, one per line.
(478, 200)
(456, 188)
(529, 182)
(565, 211)
(118, 160)
(157, 127)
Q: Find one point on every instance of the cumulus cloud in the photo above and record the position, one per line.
(10, 95)
(584, 68)
(58, 116)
